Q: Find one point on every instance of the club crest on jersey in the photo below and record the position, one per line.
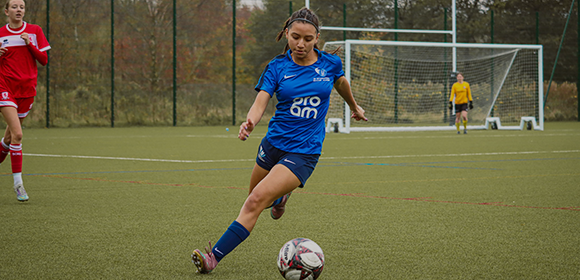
(322, 73)
(5, 95)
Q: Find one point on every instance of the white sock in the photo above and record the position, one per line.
(17, 178)
(4, 145)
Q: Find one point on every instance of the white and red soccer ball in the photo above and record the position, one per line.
(300, 259)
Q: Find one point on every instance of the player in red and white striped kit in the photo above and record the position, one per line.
(23, 44)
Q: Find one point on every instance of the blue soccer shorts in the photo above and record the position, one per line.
(302, 165)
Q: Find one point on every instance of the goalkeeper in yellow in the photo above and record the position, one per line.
(462, 94)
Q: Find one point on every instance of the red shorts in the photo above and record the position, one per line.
(24, 106)
(6, 99)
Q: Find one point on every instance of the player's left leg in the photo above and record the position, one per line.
(5, 145)
(279, 181)
(302, 166)
(279, 206)
(464, 116)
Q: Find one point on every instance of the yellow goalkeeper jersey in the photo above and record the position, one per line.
(461, 92)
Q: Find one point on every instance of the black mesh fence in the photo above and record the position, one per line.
(112, 62)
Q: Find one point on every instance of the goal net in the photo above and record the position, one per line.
(406, 85)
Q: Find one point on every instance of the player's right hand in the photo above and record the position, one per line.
(3, 51)
(450, 105)
(245, 129)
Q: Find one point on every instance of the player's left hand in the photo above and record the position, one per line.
(359, 114)
(470, 105)
(25, 37)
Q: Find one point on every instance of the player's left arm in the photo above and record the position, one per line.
(41, 57)
(343, 87)
(469, 98)
(469, 93)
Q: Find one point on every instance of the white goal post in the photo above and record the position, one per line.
(405, 86)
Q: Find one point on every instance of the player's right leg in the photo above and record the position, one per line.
(205, 263)
(279, 181)
(11, 117)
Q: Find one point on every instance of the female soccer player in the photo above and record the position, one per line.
(462, 94)
(302, 78)
(23, 44)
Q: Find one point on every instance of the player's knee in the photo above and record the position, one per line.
(16, 138)
(255, 202)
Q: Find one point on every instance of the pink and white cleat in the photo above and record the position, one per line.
(205, 263)
(277, 211)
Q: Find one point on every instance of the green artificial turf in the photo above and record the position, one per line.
(132, 203)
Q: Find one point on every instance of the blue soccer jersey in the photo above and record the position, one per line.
(303, 94)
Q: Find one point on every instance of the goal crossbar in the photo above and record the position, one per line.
(389, 30)
(437, 44)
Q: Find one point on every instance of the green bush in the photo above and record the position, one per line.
(562, 102)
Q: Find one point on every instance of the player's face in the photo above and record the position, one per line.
(302, 37)
(460, 78)
(15, 11)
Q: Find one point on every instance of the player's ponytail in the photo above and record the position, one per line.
(304, 15)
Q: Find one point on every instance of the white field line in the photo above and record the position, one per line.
(352, 136)
(448, 136)
(322, 158)
(461, 155)
(140, 159)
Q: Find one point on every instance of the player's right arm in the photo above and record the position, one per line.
(452, 95)
(254, 115)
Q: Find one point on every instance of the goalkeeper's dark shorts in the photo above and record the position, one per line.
(461, 107)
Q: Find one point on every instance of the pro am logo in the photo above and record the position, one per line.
(322, 73)
(305, 107)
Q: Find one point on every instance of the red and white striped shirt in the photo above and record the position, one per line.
(18, 64)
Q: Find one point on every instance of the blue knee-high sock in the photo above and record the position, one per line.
(234, 235)
(276, 202)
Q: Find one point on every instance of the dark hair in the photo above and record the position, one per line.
(304, 15)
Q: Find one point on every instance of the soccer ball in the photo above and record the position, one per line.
(300, 259)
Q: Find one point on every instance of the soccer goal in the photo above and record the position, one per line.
(405, 86)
